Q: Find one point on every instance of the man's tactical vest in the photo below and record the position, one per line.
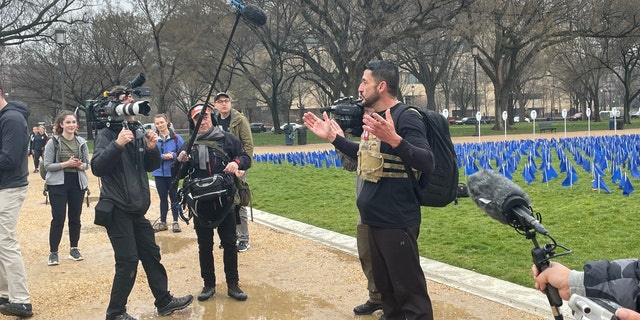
(373, 164)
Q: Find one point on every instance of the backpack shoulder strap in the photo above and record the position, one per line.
(408, 169)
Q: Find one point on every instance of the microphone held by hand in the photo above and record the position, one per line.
(503, 200)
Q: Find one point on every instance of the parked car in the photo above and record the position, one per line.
(575, 117)
(452, 120)
(151, 126)
(488, 120)
(635, 115)
(295, 126)
(467, 120)
(257, 127)
(517, 119)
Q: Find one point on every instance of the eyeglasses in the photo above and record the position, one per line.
(222, 101)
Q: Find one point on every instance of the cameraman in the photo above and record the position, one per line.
(617, 280)
(122, 158)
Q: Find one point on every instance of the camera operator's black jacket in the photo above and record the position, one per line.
(123, 170)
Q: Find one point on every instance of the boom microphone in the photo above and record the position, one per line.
(138, 81)
(503, 200)
(251, 13)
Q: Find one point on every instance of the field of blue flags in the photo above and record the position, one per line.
(319, 159)
(611, 161)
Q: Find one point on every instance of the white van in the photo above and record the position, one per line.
(609, 114)
(151, 126)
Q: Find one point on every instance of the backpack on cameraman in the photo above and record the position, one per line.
(441, 187)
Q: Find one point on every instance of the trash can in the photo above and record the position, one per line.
(302, 136)
(618, 124)
(289, 135)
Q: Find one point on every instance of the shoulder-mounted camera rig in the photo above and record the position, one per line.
(347, 112)
(108, 112)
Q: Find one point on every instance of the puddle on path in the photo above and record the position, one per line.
(265, 302)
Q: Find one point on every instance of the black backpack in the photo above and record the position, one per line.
(441, 187)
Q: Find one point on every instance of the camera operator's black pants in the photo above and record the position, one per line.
(398, 274)
(133, 240)
(227, 234)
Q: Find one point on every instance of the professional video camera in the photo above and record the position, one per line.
(347, 112)
(108, 112)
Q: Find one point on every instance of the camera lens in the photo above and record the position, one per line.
(131, 109)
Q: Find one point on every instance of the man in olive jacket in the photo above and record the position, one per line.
(231, 120)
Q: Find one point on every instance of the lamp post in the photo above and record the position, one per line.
(413, 88)
(61, 41)
(474, 52)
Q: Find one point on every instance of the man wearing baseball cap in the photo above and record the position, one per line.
(219, 153)
(234, 122)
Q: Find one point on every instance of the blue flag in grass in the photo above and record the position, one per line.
(598, 184)
(527, 175)
(505, 172)
(628, 188)
(549, 173)
(572, 177)
(615, 175)
(598, 171)
(569, 180)
(634, 172)
(586, 165)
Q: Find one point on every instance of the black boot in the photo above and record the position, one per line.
(235, 292)
(207, 292)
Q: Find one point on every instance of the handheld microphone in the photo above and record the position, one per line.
(503, 200)
(251, 13)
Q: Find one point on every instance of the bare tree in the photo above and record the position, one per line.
(623, 60)
(518, 31)
(428, 58)
(270, 69)
(341, 36)
(24, 21)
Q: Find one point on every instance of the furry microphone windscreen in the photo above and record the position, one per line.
(490, 190)
(254, 14)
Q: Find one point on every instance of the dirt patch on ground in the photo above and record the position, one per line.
(285, 276)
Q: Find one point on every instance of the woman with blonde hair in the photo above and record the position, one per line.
(66, 159)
